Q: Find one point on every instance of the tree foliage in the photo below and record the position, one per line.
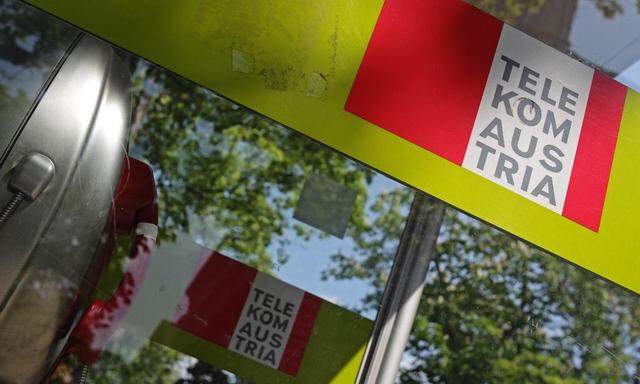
(238, 171)
(218, 160)
(23, 32)
(153, 364)
(495, 310)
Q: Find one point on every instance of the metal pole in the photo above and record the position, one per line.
(401, 301)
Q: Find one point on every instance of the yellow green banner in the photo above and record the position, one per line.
(434, 93)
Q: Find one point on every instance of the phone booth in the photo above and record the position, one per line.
(349, 192)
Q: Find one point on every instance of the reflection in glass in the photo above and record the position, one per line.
(31, 45)
(228, 180)
(495, 310)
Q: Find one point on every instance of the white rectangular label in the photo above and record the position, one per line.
(527, 129)
(266, 321)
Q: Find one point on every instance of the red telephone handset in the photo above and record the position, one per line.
(135, 212)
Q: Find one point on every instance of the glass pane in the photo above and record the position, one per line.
(244, 283)
(31, 45)
(273, 251)
(228, 183)
(496, 310)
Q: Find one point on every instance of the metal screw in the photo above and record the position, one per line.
(29, 178)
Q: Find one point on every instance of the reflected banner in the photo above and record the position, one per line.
(434, 93)
(267, 331)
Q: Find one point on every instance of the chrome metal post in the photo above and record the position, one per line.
(402, 298)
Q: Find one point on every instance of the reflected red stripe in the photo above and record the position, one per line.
(215, 298)
(592, 165)
(300, 334)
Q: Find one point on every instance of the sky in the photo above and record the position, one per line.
(308, 259)
(611, 43)
(631, 76)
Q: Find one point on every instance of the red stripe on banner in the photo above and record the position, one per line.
(300, 334)
(424, 72)
(592, 165)
(215, 298)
